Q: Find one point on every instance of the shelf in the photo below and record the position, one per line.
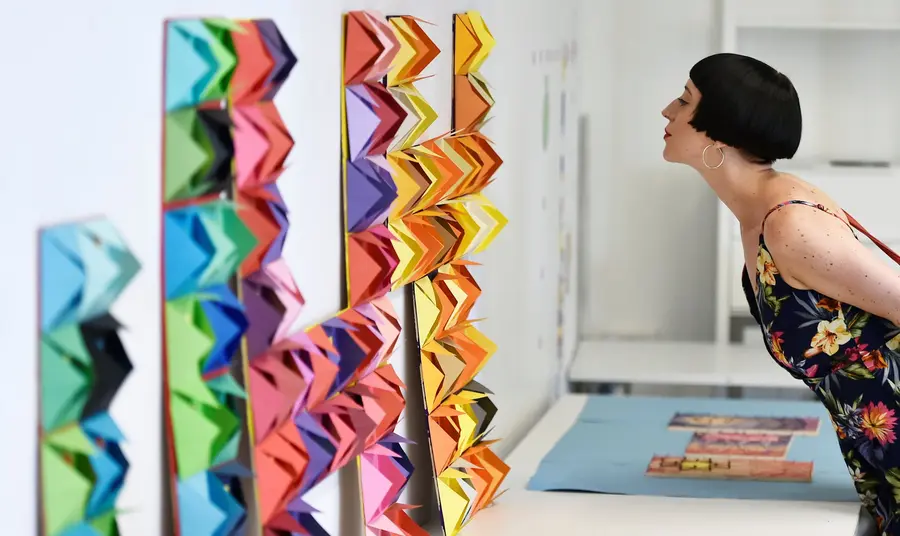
(838, 15)
(678, 363)
(819, 25)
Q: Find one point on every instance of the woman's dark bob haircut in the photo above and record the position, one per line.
(747, 105)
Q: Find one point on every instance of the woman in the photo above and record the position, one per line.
(829, 309)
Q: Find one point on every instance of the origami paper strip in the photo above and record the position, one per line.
(370, 193)
(456, 228)
(282, 56)
(372, 260)
(207, 506)
(473, 42)
(423, 175)
(203, 333)
(200, 62)
(456, 291)
(472, 100)
(385, 258)
(385, 470)
(308, 425)
(373, 119)
(440, 169)
(419, 116)
(265, 214)
(480, 219)
(413, 176)
(264, 61)
(463, 459)
(439, 217)
(281, 461)
(272, 302)
(416, 50)
(83, 366)
(478, 152)
(369, 47)
(204, 245)
(229, 138)
(355, 342)
(198, 153)
(464, 491)
(453, 350)
(83, 470)
(262, 144)
(84, 268)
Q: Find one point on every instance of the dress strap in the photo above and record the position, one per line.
(881, 245)
(802, 202)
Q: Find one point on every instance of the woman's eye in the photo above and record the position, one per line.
(681, 101)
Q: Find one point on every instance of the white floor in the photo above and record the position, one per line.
(522, 512)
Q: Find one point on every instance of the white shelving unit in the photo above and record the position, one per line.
(841, 56)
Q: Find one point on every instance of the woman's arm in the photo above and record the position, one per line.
(820, 251)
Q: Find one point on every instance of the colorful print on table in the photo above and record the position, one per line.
(228, 296)
(757, 469)
(84, 267)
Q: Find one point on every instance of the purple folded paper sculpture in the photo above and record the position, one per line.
(272, 302)
(370, 192)
(280, 53)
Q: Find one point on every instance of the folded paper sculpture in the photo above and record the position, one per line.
(454, 351)
(469, 474)
(382, 112)
(84, 267)
(394, 181)
(229, 297)
(323, 399)
(472, 98)
(414, 209)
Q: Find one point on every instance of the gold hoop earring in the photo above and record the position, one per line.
(721, 152)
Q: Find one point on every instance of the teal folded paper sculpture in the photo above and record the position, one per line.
(84, 267)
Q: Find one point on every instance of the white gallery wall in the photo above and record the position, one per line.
(649, 243)
(81, 137)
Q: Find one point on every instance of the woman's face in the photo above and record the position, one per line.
(684, 145)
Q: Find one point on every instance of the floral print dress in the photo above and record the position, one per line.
(851, 360)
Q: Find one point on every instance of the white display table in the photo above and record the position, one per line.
(520, 512)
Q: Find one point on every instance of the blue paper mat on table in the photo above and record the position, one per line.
(608, 449)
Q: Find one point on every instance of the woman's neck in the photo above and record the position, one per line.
(741, 187)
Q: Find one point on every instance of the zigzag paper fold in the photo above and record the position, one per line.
(404, 250)
(228, 295)
(413, 210)
(382, 112)
(84, 267)
(472, 98)
(324, 398)
(453, 350)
